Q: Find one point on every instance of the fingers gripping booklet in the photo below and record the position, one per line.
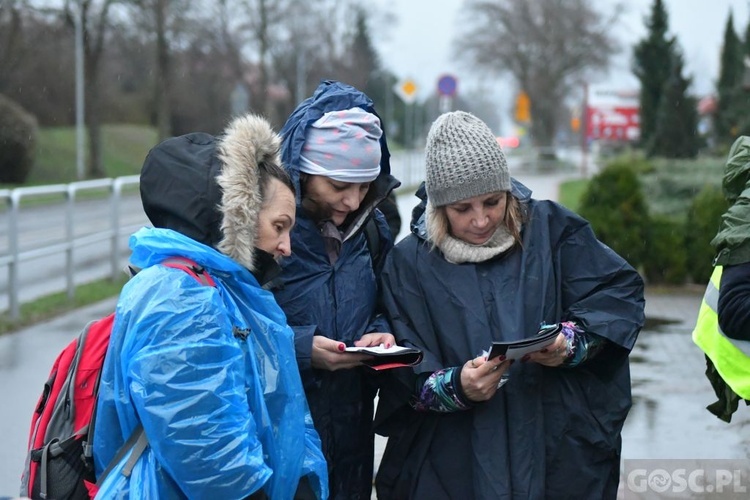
(392, 357)
(519, 348)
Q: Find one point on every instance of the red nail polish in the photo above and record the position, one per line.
(388, 345)
(342, 347)
(502, 357)
(525, 358)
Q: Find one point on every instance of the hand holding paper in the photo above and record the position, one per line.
(517, 349)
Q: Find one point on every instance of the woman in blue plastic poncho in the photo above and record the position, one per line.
(209, 371)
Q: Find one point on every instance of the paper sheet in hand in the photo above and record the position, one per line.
(519, 348)
(393, 357)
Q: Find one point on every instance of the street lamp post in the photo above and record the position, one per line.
(80, 138)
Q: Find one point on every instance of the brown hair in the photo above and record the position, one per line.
(272, 170)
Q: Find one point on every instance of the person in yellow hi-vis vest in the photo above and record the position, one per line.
(723, 327)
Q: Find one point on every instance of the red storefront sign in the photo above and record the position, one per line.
(612, 122)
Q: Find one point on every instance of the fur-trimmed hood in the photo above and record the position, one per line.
(207, 187)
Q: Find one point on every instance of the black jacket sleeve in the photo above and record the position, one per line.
(734, 301)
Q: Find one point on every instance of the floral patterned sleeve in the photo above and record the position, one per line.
(581, 346)
(442, 392)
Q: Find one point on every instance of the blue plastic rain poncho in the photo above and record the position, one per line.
(209, 371)
(185, 356)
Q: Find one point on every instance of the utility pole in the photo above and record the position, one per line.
(584, 131)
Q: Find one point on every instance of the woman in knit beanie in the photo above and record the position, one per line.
(485, 264)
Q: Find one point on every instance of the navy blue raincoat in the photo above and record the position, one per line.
(337, 301)
(549, 432)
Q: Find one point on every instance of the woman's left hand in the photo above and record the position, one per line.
(375, 339)
(552, 355)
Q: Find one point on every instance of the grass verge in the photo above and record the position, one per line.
(49, 306)
(571, 192)
(123, 149)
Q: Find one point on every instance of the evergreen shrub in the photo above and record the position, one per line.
(614, 204)
(703, 220)
(18, 136)
(665, 258)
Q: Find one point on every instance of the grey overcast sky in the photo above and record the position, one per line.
(417, 44)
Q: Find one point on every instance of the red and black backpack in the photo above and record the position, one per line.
(60, 462)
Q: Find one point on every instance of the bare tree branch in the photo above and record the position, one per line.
(546, 46)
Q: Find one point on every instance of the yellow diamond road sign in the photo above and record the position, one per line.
(406, 90)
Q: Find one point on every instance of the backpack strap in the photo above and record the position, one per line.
(44, 466)
(190, 267)
(137, 442)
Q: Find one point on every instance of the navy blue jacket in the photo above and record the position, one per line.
(734, 301)
(337, 301)
(548, 432)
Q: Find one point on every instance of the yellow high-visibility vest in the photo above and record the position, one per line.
(730, 357)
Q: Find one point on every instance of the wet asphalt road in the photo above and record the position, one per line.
(668, 418)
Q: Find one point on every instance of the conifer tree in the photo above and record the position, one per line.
(651, 62)
(729, 87)
(676, 132)
(744, 104)
(363, 60)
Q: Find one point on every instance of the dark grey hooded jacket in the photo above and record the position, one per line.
(549, 432)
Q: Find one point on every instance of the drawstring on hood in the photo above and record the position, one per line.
(207, 187)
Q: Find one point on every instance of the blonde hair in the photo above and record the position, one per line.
(438, 226)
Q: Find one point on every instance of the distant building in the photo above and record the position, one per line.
(612, 115)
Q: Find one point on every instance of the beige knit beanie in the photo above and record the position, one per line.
(463, 160)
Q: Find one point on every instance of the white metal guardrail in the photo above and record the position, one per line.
(62, 237)
(84, 230)
(50, 240)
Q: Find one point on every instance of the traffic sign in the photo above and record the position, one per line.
(406, 90)
(447, 85)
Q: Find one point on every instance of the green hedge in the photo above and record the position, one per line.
(671, 185)
(660, 215)
(665, 259)
(614, 204)
(703, 219)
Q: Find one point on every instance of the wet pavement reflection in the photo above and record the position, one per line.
(670, 391)
(26, 358)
